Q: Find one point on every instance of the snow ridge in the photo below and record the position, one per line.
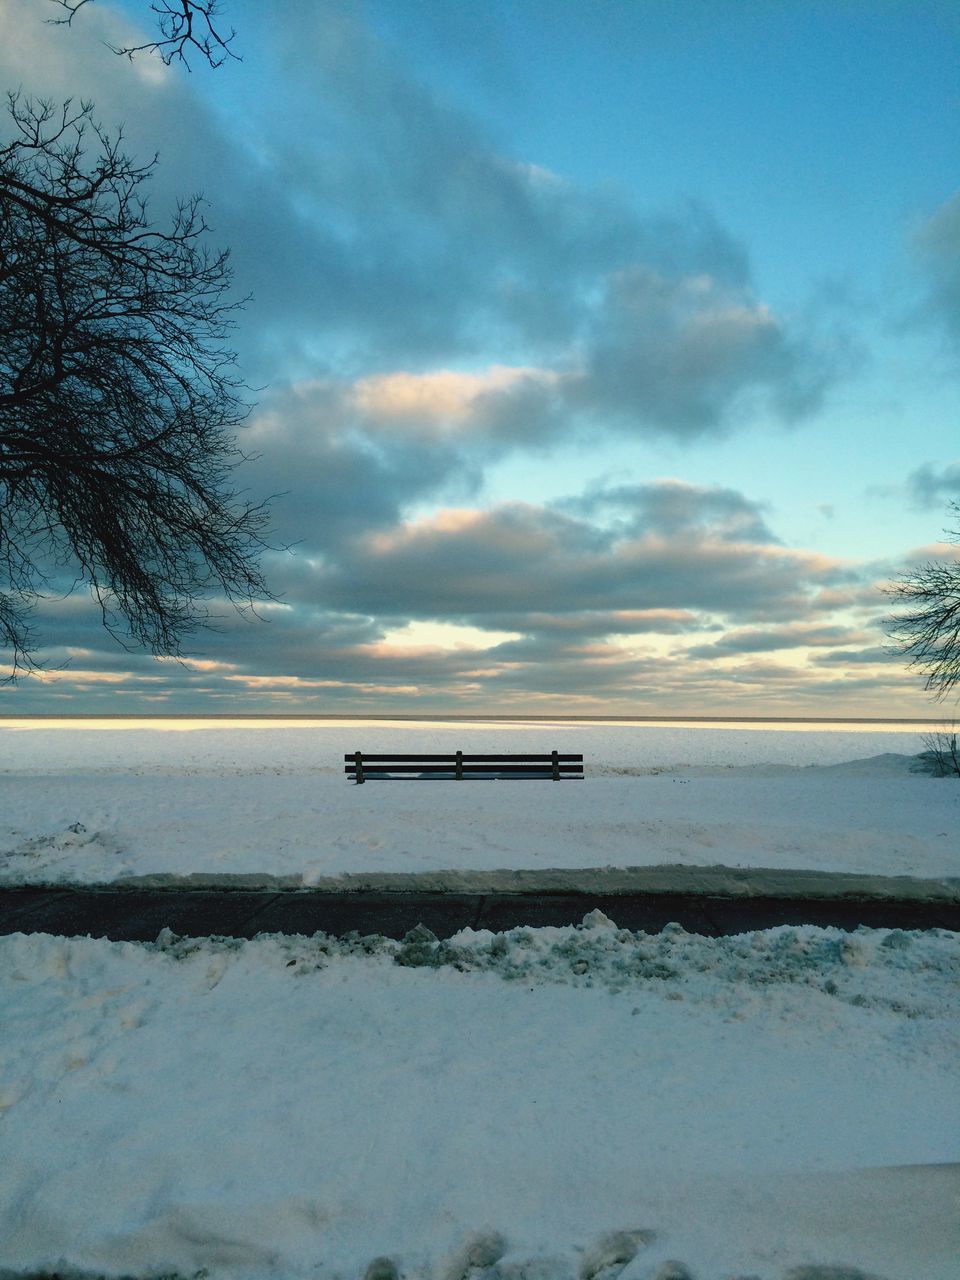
(912, 973)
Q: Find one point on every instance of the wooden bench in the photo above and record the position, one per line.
(362, 767)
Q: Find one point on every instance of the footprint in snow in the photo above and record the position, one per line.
(611, 1253)
(673, 1270)
(381, 1269)
(479, 1250)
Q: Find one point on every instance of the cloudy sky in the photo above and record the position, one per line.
(607, 353)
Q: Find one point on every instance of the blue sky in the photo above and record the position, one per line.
(609, 351)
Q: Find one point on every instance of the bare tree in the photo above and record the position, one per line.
(118, 400)
(941, 754)
(185, 26)
(928, 633)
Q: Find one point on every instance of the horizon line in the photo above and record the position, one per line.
(459, 716)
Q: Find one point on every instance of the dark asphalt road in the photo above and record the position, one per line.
(140, 914)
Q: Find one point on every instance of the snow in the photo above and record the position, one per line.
(546, 1104)
(106, 804)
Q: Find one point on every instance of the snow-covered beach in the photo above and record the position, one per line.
(96, 805)
(549, 1104)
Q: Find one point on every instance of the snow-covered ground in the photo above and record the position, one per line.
(102, 804)
(549, 1104)
(542, 1105)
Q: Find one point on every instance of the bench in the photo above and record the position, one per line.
(554, 766)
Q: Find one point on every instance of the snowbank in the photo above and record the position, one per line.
(547, 1103)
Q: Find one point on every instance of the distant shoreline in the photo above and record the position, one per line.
(481, 718)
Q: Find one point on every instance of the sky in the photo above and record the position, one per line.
(606, 355)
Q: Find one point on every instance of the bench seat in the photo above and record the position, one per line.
(459, 766)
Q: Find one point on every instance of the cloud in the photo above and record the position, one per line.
(938, 242)
(382, 234)
(426, 304)
(928, 487)
(652, 321)
(519, 559)
(499, 407)
(795, 635)
(932, 552)
(338, 475)
(350, 461)
(587, 602)
(687, 353)
(673, 508)
(588, 623)
(858, 657)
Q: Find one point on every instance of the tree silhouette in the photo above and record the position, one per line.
(185, 26)
(118, 400)
(928, 633)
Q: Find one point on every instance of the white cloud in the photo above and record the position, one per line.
(426, 636)
(439, 399)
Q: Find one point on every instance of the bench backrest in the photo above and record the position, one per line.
(460, 765)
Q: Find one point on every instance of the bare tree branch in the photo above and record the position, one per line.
(118, 401)
(928, 634)
(941, 754)
(184, 25)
